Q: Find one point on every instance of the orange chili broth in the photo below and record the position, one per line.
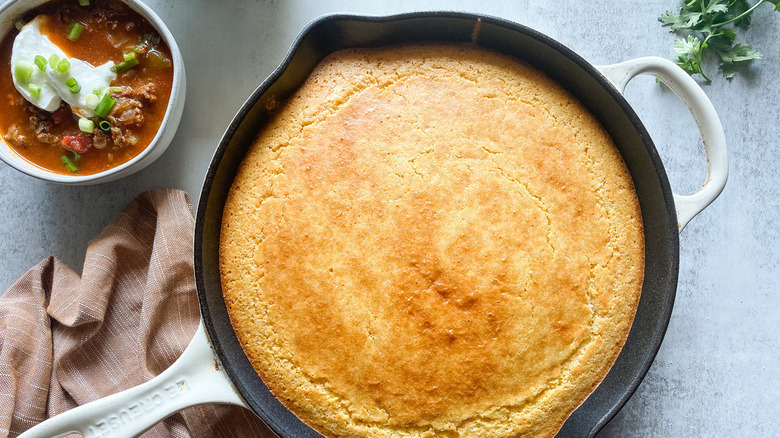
(97, 45)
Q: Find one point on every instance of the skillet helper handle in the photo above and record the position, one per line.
(704, 114)
(195, 378)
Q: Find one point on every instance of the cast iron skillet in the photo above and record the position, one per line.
(200, 378)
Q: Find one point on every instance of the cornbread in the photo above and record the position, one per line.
(432, 240)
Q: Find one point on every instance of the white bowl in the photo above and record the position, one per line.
(11, 11)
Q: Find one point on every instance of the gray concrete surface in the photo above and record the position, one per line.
(716, 374)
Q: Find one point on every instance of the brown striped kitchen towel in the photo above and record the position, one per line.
(66, 340)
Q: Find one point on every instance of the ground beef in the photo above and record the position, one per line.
(48, 138)
(61, 114)
(100, 139)
(143, 94)
(16, 100)
(123, 137)
(40, 124)
(127, 111)
(39, 120)
(15, 137)
(107, 15)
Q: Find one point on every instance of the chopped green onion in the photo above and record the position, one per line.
(92, 100)
(125, 65)
(86, 125)
(129, 56)
(73, 85)
(114, 89)
(23, 71)
(35, 90)
(40, 61)
(76, 156)
(83, 2)
(105, 125)
(19, 24)
(63, 66)
(104, 106)
(97, 91)
(75, 31)
(54, 60)
(69, 164)
(149, 38)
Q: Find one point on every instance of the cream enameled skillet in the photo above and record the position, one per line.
(214, 368)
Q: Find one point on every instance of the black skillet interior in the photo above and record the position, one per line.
(334, 32)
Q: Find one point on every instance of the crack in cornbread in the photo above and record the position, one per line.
(432, 240)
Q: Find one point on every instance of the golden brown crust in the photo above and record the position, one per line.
(432, 240)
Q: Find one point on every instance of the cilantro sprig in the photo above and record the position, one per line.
(708, 26)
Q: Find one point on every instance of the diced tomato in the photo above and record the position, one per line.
(77, 143)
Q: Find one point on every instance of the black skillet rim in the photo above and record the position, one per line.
(276, 413)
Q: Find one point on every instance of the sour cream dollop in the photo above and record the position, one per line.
(29, 43)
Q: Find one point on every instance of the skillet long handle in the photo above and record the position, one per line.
(703, 113)
(195, 378)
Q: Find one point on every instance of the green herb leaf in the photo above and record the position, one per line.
(735, 57)
(689, 55)
(707, 27)
(715, 6)
(737, 12)
(685, 20)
